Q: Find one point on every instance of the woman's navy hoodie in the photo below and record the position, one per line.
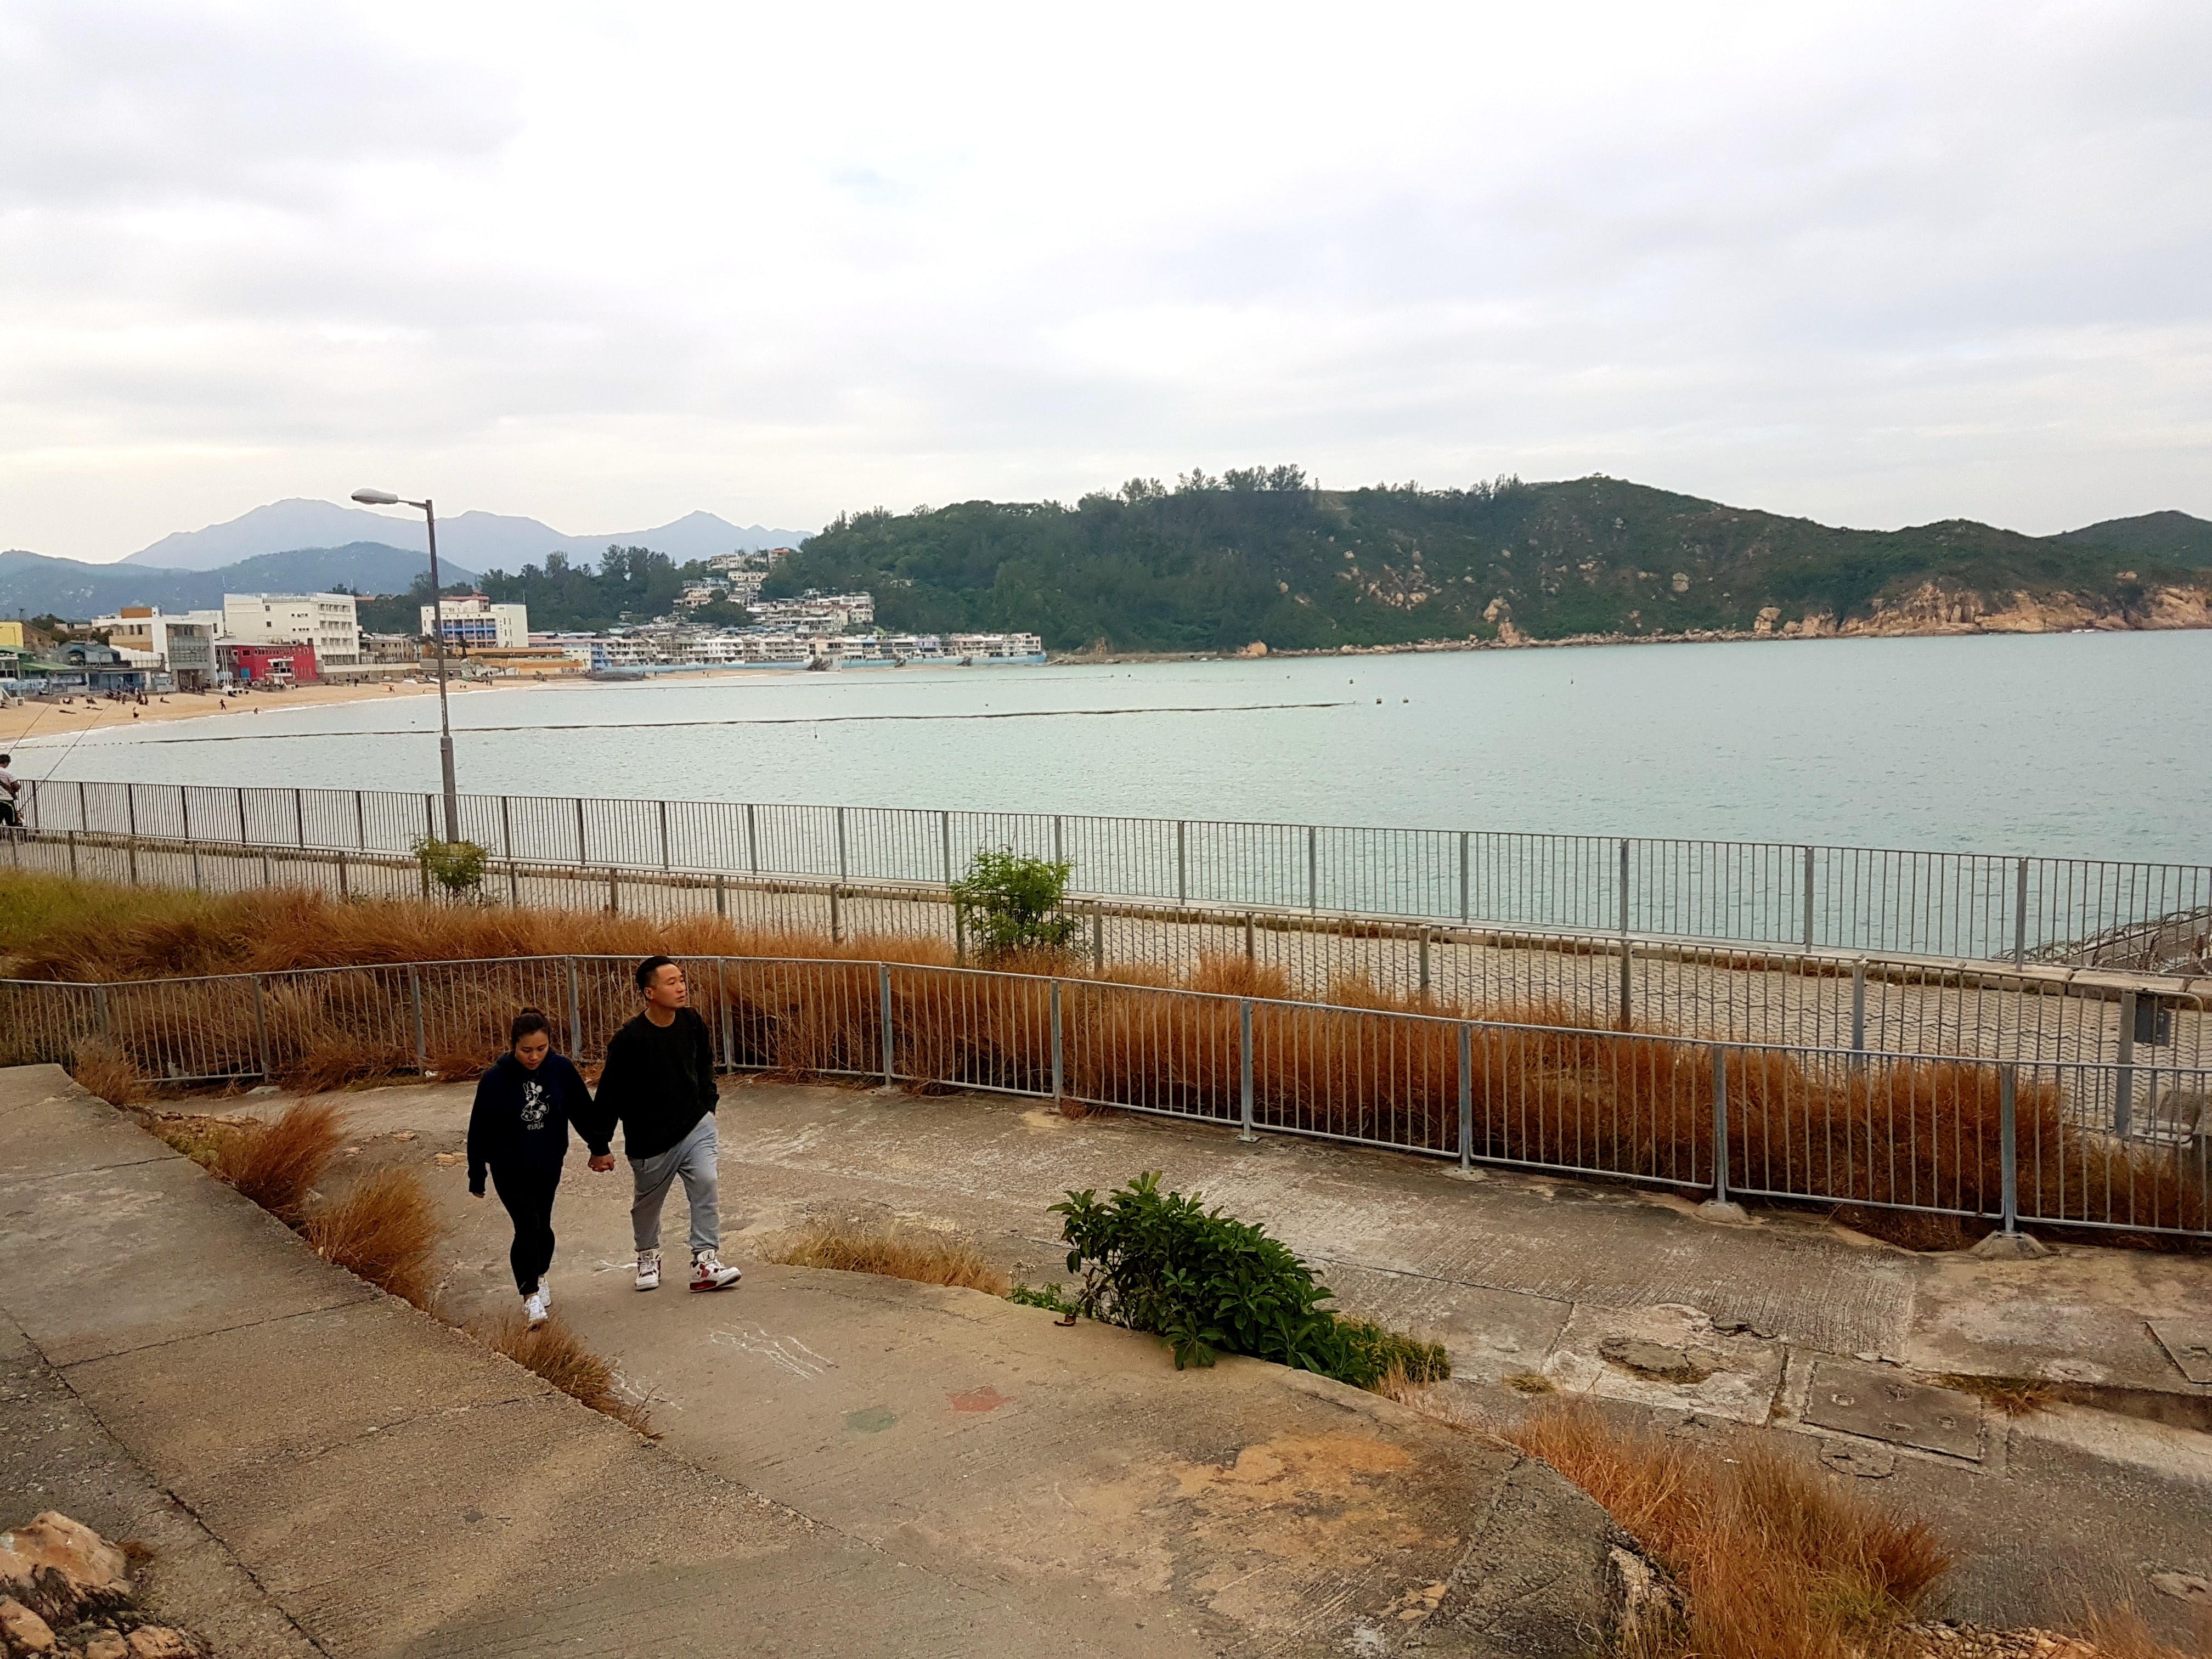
(520, 1120)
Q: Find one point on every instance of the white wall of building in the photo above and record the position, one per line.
(326, 621)
(471, 620)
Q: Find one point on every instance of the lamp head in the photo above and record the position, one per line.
(376, 498)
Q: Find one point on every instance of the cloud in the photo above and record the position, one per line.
(1873, 262)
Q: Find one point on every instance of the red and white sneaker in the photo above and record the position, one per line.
(707, 1272)
(648, 1270)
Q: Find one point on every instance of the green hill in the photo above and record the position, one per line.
(2168, 537)
(1214, 563)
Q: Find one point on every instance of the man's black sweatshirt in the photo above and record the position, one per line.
(658, 1083)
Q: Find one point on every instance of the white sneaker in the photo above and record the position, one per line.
(648, 1270)
(545, 1293)
(707, 1272)
(533, 1307)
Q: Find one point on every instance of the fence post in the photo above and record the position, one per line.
(360, 823)
(582, 856)
(1425, 961)
(131, 807)
(664, 835)
(837, 915)
(575, 1014)
(1182, 863)
(1858, 1005)
(728, 1015)
(1059, 1063)
(841, 844)
(299, 820)
(752, 841)
(133, 862)
(959, 936)
(198, 884)
(72, 846)
(1463, 876)
(184, 809)
(2123, 1079)
(505, 827)
(83, 810)
(1097, 936)
(2019, 914)
(1808, 899)
(1466, 1096)
(614, 892)
(1058, 857)
(1720, 1204)
(944, 839)
(344, 889)
(1248, 942)
(883, 1004)
(721, 896)
(429, 822)
(415, 998)
(1313, 868)
(38, 818)
(1624, 887)
(2009, 1150)
(1244, 1066)
(1628, 984)
(261, 1027)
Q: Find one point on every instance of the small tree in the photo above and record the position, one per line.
(456, 865)
(1007, 902)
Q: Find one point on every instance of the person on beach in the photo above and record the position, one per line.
(659, 1085)
(9, 789)
(519, 1132)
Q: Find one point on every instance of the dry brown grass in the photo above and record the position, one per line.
(108, 1072)
(925, 1258)
(383, 1227)
(1779, 1560)
(557, 1354)
(278, 1164)
(2122, 1632)
(2015, 1396)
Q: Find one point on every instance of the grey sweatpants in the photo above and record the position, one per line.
(693, 1158)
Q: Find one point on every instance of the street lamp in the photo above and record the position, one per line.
(385, 498)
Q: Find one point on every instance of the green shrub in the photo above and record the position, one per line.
(1206, 1282)
(1007, 903)
(1041, 1296)
(456, 865)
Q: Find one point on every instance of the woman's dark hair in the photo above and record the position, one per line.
(525, 1023)
(651, 966)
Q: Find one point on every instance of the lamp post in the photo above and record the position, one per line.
(385, 498)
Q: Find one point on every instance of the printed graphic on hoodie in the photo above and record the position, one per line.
(535, 1104)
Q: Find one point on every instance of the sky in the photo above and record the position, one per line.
(604, 264)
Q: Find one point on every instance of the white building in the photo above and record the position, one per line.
(820, 613)
(181, 646)
(470, 620)
(995, 647)
(326, 621)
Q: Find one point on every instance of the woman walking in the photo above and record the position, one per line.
(519, 1130)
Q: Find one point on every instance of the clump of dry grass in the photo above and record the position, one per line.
(2122, 1632)
(925, 1258)
(1778, 1561)
(278, 1164)
(383, 1227)
(108, 1072)
(2015, 1396)
(557, 1354)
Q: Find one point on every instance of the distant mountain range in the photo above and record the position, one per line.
(476, 541)
(37, 585)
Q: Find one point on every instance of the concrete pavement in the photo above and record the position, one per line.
(852, 1465)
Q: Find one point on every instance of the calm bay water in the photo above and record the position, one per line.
(2091, 744)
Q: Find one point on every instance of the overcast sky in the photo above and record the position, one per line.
(603, 265)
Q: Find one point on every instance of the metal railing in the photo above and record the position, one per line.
(1819, 998)
(2080, 1144)
(1964, 905)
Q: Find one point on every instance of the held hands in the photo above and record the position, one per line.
(604, 1163)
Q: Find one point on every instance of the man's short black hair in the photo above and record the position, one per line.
(651, 966)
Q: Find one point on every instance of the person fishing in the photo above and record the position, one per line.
(659, 1085)
(519, 1133)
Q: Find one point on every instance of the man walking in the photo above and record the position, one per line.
(658, 1084)
(9, 789)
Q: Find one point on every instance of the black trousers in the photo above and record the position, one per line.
(528, 1195)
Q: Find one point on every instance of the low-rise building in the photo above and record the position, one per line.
(327, 621)
(182, 646)
(816, 612)
(250, 664)
(471, 620)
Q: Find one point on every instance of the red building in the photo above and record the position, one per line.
(268, 665)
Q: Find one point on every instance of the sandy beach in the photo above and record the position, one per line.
(50, 719)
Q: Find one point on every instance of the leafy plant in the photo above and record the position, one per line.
(1042, 1296)
(1008, 903)
(456, 865)
(1206, 1282)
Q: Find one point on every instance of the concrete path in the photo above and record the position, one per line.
(852, 1466)
(1521, 1277)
